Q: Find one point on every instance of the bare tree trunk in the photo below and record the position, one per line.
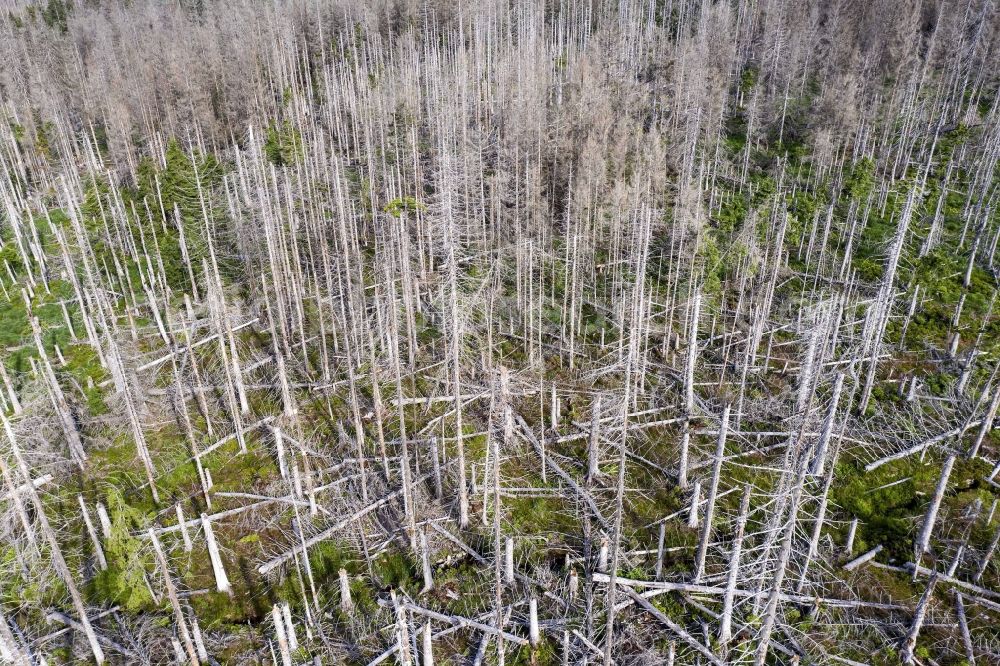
(88, 523)
(179, 621)
(824, 439)
(346, 603)
(425, 559)
(279, 631)
(221, 579)
(692, 521)
(910, 642)
(725, 627)
(864, 558)
(692, 357)
(427, 654)
(783, 557)
(593, 448)
(713, 490)
(922, 544)
(56, 553)
(58, 398)
(987, 556)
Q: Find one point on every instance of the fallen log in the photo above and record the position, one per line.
(673, 626)
(458, 621)
(228, 438)
(199, 343)
(526, 432)
(917, 448)
(196, 522)
(333, 529)
(631, 426)
(37, 483)
(944, 578)
(669, 586)
(62, 618)
(61, 632)
(861, 559)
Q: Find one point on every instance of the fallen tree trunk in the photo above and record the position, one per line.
(714, 590)
(458, 621)
(917, 448)
(228, 438)
(62, 618)
(37, 483)
(673, 626)
(526, 432)
(273, 563)
(203, 341)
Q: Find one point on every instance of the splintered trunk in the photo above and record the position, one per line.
(425, 559)
(963, 625)
(427, 652)
(984, 562)
(509, 561)
(185, 534)
(987, 424)
(281, 635)
(692, 521)
(553, 408)
(602, 554)
(852, 530)
(15, 403)
(286, 613)
(534, 635)
(92, 533)
(863, 558)
(346, 602)
(436, 468)
(659, 551)
(402, 631)
(10, 650)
